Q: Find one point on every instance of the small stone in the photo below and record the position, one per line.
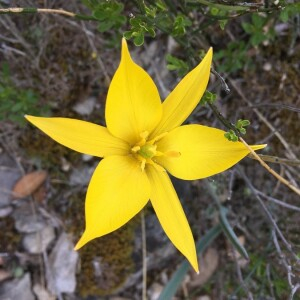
(204, 297)
(9, 174)
(65, 165)
(41, 293)
(62, 267)
(267, 67)
(209, 264)
(38, 242)
(82, 176)
(85, 107)
(26, 220)
(155, 290)
(5, 211)
(4, 275)
(86, 157)
(17, 289)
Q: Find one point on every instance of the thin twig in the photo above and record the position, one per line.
(290, 274)
(269, 215)
(98, 58)
(144, 255)
(286, 205)
(270, 281)
(275, 174)
(34, 10)
(26, 10)
(21, 10)
(277, 105)
(294, 290)
(262, 118)
(277, 160)
(231, 126)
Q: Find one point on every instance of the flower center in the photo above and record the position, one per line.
(145, 150)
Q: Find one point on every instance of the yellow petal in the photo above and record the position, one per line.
(204, 151)
(81, 136)
(133, 104)
(117, 192)
(171, 215)
(185, 97)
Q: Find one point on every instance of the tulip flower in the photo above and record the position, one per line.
(142, 143)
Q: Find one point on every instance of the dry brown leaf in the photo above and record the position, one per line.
(39, 195)
(208, 265)
(4, 275)
(235, 255)
(28, 184)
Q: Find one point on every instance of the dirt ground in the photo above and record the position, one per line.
(68, 64)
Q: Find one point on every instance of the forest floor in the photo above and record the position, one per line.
(60, 67)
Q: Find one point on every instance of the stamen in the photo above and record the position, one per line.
(143, 164)
(143, 140)
(158, 153)
(144, 134)
(172, 153)
(135, 149)
(157, 138)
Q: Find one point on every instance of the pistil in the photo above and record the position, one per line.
(145, 151)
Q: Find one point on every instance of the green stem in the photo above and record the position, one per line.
(222, 119)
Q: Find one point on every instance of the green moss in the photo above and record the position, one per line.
(38, 145)
(9, 237)
(106, 262)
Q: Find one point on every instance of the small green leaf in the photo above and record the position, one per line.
(229, 233)
(208, 97)
(127, 35)
(151, 31)
(242, 130)
(245, 122)
(231, 136)
(177, 64)
(104, 26)
(138, 39)
(222, 24)
(214, 11)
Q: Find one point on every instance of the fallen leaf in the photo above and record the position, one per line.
(40, 194)
(4, 275)
(28, 184)
(208, 265)
(234, 254)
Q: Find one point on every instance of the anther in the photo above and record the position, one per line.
(172, 153)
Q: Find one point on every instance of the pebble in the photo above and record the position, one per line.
(155, 291)
(8, 178)
(5, 211)
(62, 267)
(267, 66)
(26, 221)
(39, 241)
(85, 107)
(41, 293)
(82, 176)
(17, 289)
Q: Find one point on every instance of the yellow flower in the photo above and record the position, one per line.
(143, 138)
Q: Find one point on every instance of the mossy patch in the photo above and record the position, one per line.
(9, 237)
(106, 262)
